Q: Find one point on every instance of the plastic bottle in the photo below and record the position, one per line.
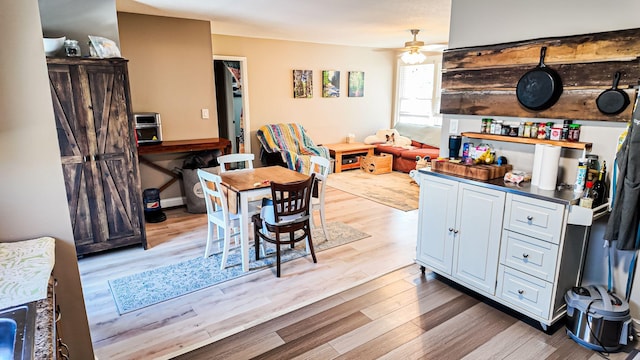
(581, 175)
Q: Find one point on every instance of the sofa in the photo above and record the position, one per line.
(405, 142)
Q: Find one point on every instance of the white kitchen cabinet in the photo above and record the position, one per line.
(459, 231)
(514, 246)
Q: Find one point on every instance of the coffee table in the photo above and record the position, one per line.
(337, 151)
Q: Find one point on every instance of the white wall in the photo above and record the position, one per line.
(477, 23)
(33, 200)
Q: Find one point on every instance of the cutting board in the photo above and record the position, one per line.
(476, 172)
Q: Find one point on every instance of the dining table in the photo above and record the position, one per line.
(245, 184)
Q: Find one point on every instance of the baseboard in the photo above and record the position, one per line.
(172, 202)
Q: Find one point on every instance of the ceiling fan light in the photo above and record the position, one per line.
(413, 56)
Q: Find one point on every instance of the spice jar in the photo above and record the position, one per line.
(72, 48)
(534, 130)
(527, 129)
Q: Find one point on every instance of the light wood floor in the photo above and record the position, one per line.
(191, 321)
(363, 300)
(402, 315)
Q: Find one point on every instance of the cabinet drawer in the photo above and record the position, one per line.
(538, 218)
(529, 255)
(524, 291)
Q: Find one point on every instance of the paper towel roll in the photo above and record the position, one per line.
(549, 167)
(537, 162)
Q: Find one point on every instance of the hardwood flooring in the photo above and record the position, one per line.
(191, 321)
(363, 300)
(402, 315)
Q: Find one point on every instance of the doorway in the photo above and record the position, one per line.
(232, 101)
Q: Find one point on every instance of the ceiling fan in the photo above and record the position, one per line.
(413, 54)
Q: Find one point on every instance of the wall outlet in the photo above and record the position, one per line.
(204, 113)
(453, 126)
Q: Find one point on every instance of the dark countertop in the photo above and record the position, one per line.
(565, 196)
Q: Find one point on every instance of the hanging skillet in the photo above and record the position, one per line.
(613, 101)
(539, 88)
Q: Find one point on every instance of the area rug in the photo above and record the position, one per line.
(150, 287)
(392, 189)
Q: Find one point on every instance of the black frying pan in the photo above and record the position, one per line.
(539, 88)
(613, 101)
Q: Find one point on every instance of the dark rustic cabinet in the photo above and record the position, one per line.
(92, 107)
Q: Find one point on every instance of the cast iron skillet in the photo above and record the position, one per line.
(613, 101)
(539, 88)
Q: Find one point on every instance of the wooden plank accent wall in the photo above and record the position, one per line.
(482, 80)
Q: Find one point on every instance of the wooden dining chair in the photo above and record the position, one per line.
(218, 215)
(290, 213)
(320, 167)
(245, 159)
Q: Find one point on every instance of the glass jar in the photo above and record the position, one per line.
(483, 127)
(506, 129)
(534, 130)
(527, 129)
(497, 128)
(542, 131)
(574, 132)
(72, 48)
(547, 134)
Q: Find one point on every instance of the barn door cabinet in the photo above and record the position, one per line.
(91, 103)
(520, 247)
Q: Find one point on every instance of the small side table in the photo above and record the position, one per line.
(338, 151)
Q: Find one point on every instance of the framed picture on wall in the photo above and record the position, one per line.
(330, 83)
(356, 83)
(302, 83)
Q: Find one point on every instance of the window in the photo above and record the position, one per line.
(418, 94)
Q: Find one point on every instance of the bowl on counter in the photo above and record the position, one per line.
(53, 45)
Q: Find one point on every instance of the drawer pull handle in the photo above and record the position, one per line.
(456, 231)
(520, 291)
(525, 255)
(529, 217)
(450, 229)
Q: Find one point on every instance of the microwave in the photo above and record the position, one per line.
(148, 128)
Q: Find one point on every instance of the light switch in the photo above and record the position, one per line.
(205, 113)
(453, 126)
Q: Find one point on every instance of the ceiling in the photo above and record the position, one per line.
(368, 23)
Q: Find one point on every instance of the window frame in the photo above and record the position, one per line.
(436, 118)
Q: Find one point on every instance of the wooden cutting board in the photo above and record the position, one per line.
(476, 172)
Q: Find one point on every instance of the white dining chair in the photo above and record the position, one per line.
(320, 167)
(245, 159)
(218, 215)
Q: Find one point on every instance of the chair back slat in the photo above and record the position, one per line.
(291, 199)
(214, 196)
(245, 159)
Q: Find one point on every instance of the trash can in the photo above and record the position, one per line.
(152, 208)
(206, 160)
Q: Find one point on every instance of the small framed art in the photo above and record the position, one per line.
(330, 83)
(356, 83)
(302, 83)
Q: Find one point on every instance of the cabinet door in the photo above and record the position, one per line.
(71, 123)
(116, 178)
(437, 215)
(91, 107)
(479, 228)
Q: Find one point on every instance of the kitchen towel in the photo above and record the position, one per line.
(537, 162)
(549, 167)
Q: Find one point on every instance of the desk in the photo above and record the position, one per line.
(339, 150)
(250, 183)
(178, 146)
